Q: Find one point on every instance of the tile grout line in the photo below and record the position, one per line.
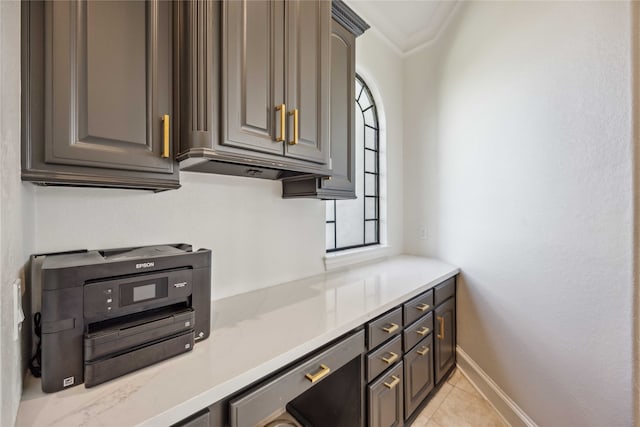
(482, 395)
(443, 399)
(440, 404)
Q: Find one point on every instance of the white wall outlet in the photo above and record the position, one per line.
(423, 233)
(18, 314)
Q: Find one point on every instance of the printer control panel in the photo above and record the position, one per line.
(118, 297)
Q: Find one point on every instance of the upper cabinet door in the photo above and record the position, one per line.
(253, 75)
(308, 62)
(343, 75)
(108, 84)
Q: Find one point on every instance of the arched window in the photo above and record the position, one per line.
(356, 223)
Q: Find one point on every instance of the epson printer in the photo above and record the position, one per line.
(105, 313)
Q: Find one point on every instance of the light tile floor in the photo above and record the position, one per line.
(458, 404)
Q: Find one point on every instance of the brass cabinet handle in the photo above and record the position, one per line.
(423, 351)
(165, 141)
(324, 371)
(423, 307)
(423, 331)
(441, 334)
(294, 113)
(283, 110)
(392, 384)
(391, 358)
(391, 328)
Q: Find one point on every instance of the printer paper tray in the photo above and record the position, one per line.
(125, 336)
(106, 369)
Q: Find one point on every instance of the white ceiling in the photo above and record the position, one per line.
(407, 24)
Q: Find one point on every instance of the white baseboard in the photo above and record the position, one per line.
(511, 413)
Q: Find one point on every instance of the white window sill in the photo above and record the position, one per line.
(336, 260)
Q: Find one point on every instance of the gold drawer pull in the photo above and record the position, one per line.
(283, 110)
(324, 371)
(391, 328)
(165, 140)
(441, 334)
(391, 358)
(423, 331)
(294, 113)
(423, 307)
(424, 351)
(392, 384)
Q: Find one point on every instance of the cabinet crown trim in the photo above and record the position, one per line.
(348, 18)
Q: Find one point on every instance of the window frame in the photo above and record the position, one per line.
(375, 126)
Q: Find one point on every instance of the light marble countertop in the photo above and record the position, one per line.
(252, 335)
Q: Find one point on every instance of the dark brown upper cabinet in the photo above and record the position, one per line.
(256, 87)
(340, 183)
(98, 92)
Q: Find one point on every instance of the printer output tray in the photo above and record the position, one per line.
(122, 336)
(116, 348)
(106, 369)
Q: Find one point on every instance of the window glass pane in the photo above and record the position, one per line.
(370, 138)
(329, 206)
(350, 218)
(371, 231)
(370, 208)
(368, 117)
(370, 158)
(370, 188)
(330, 237)
(359, 88)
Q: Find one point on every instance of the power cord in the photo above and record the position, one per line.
(35, 364)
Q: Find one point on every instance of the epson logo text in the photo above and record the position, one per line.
(145, 265)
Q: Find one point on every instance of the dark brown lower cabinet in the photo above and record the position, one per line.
(445, 342)
(418, 375)
(396, 384)
(386, 399)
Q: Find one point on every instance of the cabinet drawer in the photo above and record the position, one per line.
(384, 357)
(383, 328)
(386, 399)
(445, 290)
(417, 331)
(418, 375)
(257, 404)
(418, 306)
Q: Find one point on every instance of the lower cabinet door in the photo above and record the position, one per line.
(418, 375)
(386, 399)
(445, 341)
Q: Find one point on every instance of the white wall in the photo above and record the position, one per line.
(257, 238)
(529, 191)
(421, 162)
(15, 208)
